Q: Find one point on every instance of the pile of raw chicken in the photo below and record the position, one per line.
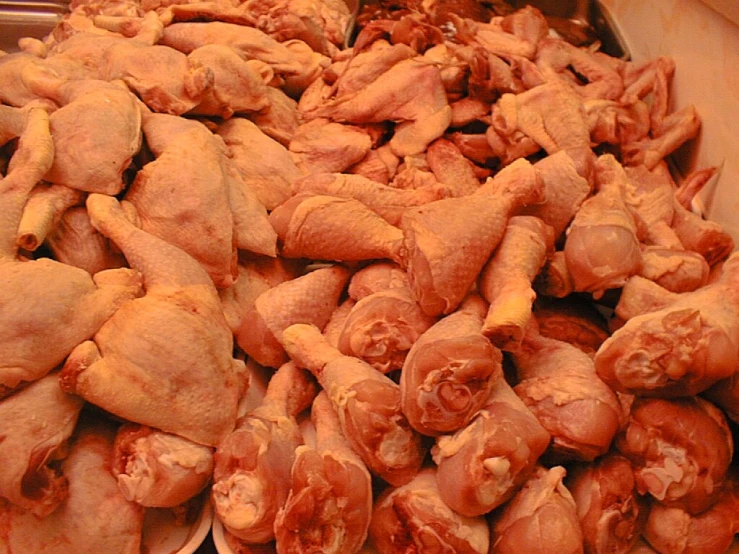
(437, 292)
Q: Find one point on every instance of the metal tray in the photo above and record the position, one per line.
(27, 19)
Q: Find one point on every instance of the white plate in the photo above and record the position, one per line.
(162, 535)
(222, 547)
(219, 538)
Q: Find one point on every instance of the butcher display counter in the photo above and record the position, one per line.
(551, 196)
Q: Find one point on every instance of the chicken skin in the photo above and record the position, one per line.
(171, 350)
(35, 424)
(95, 518)
(49, 307)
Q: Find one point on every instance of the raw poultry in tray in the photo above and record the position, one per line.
(436, 292)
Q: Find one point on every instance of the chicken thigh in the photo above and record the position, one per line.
(48, 307)
(98, 118)
(94, 519)
(35, 424)
(170, 351)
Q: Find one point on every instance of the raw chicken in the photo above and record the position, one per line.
(35, 424)
(680, 349)
(413, 518)
(482, 465)
(410, 93)
(449, 372)
(602, 247)
(98, 118)
(669, 463)
(365, 67)
(16, 93)
(378, 165)
(640, 296)
(253, 464)
(163, 360)
(252, 229)
(251, 42)
(451, 168)
(551, 114)
(256, 276)
(367, 402)
(157, 469)
(377, 277)
(649, 78)
(540, 519)
(45, 206)
(239, 85)
(670, 134)
(675, 270)
(506, 280)
(725, 394)
(554, 279)
(317, 22)
(388, 202)
(322, 146)
(95, 518)
(74, 241)
(280, 119)
(611, 512)
(48, 307)
(493, 38)
(555, 57)
(271, 173)
(675, 531)
(467, 110)
(448, 241)
(382, 327)
(330, 228)
(564, 191)
(413, 173)
(571, 320)
(333, 329)
(166, 80)
(652, 201)
(329, 506)
(692, 184)
(310, 298)
(557, 381)
(474, 147)
(703, 236)
(182, 197)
